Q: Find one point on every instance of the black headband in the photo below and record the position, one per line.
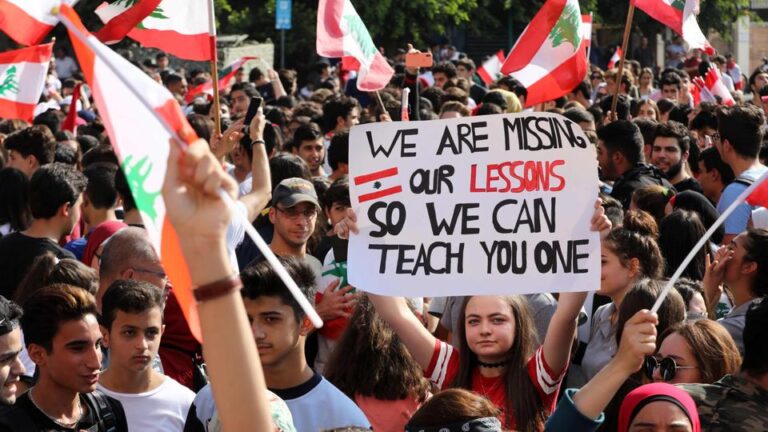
(485, 424)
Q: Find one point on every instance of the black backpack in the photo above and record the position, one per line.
(106, 420)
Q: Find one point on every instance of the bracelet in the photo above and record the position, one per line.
(217, 289)
(258, 141)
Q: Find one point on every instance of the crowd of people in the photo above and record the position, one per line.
(92, 335)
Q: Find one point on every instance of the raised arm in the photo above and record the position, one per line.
(200, 217)
(261, 180)
(559, 337)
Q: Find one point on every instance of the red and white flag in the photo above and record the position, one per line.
(710, 87)
(70, 123)
(680, 16)
(180, 28)
(586, 31)
(22, 78)
(378, 184)
(225, 77)
(342, 33)
(615, 58)
(126, 19)
(126, 110)
(490, 71)
(29, 21)
(549, 58)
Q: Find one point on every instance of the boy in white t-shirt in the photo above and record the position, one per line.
(132, 315)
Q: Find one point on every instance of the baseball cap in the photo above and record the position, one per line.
(293, 191)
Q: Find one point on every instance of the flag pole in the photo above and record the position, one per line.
(214, 69)
(624, 43)
(381, 102)
(705, 238)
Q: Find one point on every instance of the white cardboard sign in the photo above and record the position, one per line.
(481, 205)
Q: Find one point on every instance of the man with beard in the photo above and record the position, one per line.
(670, 151)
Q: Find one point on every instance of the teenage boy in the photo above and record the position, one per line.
(280, 329)
(714, 174)
(132, 317)
(64, 340)
(11, 368)
(308, 144)
(738, 142)
(30, 148)
(55, 197)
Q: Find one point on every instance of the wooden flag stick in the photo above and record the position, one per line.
(625, 42)
(381, 102)
(214, 69)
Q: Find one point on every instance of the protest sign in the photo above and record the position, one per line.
(482, 205)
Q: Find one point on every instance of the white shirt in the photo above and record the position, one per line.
(65, 67)
(162, 409)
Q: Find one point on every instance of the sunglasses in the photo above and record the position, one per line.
(667, 367)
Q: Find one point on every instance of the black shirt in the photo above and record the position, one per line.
(17, 253)
(689, 184)
(44, 424)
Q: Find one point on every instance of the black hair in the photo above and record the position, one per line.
(338, 151)
(614, 211)
(14, 196)
(755, 362)
(52, 186)
(622, 106)
(673, 129)
(625, 137)
(65, 154)
(753, 77)
(337, 193)
(287, 165)
(688, 288)
(129, 296)
(489, 108)
(670, 79)
(308, 132)
(101, 189)
(37, 141)
(757, 252)
(50, 119)
(103, 153)
(647, 129)
(446, 68)
(496, 98)
(712, 161)
(679, 113)
(679, 231)
(585, 88)
(435, 95)
(337, 107)
(86, 142)
(255, 74)
(261, 280)
(172, 78)
(202, 125)
(122, 187)
(742, 125)
(665, 105)
(244, 87)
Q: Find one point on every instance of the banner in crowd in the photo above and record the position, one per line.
(22, 78)
(483, 205)
(180, 28)
(28, 21)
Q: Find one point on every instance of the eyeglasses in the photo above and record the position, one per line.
(292, 213)
(667, 367)
(157, 273)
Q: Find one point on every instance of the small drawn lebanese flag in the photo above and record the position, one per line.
(341, 33)
(180, 28)
(118, 26)
(549, 58)
(490, 71)
(379, 184)
(225, 77)
(615, 58)
(142, 160)
(22, 78)
(680, 16)
(28, 21)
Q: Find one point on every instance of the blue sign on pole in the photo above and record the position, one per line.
(283, 15)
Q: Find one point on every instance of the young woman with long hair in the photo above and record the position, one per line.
(498, 355)
(384, 380)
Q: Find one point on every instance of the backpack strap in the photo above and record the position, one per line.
(746, 181)
(106, 421)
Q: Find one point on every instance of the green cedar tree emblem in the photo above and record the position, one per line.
(339, 270)
(361, 35)
(567, 28)
(10, 82)
(137, 175)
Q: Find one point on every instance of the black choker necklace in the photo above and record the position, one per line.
(492, 365)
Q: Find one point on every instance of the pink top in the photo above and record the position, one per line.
(385, 415)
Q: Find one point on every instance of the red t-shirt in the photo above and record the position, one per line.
(444, 366)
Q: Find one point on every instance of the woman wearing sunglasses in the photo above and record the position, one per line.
(693, 352)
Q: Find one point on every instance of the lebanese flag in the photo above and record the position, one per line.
(122, 23)
(549, 58)
(225, 77)
(680, 16)
(143, 160)
(342, 33)
(586, 31)
(379, 184)
(180, 28)
(22, 79)
(714, 83)
(70, 123)
(616, 58)
(759, 197)
(491, 68)
(28, 21)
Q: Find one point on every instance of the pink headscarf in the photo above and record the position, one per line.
(98, 236)
(657, 392)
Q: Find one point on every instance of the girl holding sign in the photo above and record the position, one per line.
(498, 356)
